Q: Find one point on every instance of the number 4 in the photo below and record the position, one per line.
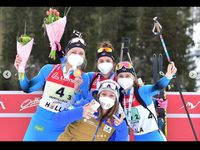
(150, 116)
(60, 92)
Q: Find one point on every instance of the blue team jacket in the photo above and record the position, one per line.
(45, 124)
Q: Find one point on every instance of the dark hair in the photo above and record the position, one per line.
(108, 54)
(106, 44)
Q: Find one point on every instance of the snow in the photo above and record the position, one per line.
(196, 38)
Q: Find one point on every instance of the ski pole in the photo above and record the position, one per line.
(158, 27)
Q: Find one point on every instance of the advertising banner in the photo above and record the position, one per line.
(17, 108)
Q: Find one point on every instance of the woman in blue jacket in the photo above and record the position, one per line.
(98, 123)
(138, 103)
(61, 85)
(105, 63)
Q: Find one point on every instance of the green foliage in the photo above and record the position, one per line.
(24, 39)
(108, 23)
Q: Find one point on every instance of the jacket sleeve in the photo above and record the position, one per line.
(90, 75)
(152, 90)
(82, 101)
(120, 133)
(68, 116)
(84, 90)
(37, 82)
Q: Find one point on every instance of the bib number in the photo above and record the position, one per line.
(150, 116)
(135, 115)
(61, 93)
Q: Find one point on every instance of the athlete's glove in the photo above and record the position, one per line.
(162, 103)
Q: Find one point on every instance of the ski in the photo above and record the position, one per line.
(162, 112)
(158, 27)
(155, 73)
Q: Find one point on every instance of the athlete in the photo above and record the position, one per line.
(105, 60)
(98, 122)
(161, 104)
(61, 84)
(105, 64)
(138, 103)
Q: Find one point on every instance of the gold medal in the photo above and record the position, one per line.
(77, 73)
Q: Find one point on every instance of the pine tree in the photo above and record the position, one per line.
(104, 23)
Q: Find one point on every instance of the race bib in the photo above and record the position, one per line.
(59, 92)
(135, 115)
(142, 120)
(56, 97)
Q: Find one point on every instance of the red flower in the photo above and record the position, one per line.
(48, 13)
(54, 11)
(57, 14)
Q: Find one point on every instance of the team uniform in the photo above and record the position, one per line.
(96, 77)
(91, 130)
(94, 80)
(95, 129)
(143, 121)
(51, 116)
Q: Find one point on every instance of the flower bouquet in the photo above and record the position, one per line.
(24, 47)
(55, 27)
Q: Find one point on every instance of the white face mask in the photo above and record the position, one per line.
(106, 102)
(125, 83)
(75, 60)
(105, 68)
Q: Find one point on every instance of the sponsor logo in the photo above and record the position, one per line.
(56, 77)
(107, 129)
(30, 103)
(2, 105)
(190, 105)
(39, 128)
